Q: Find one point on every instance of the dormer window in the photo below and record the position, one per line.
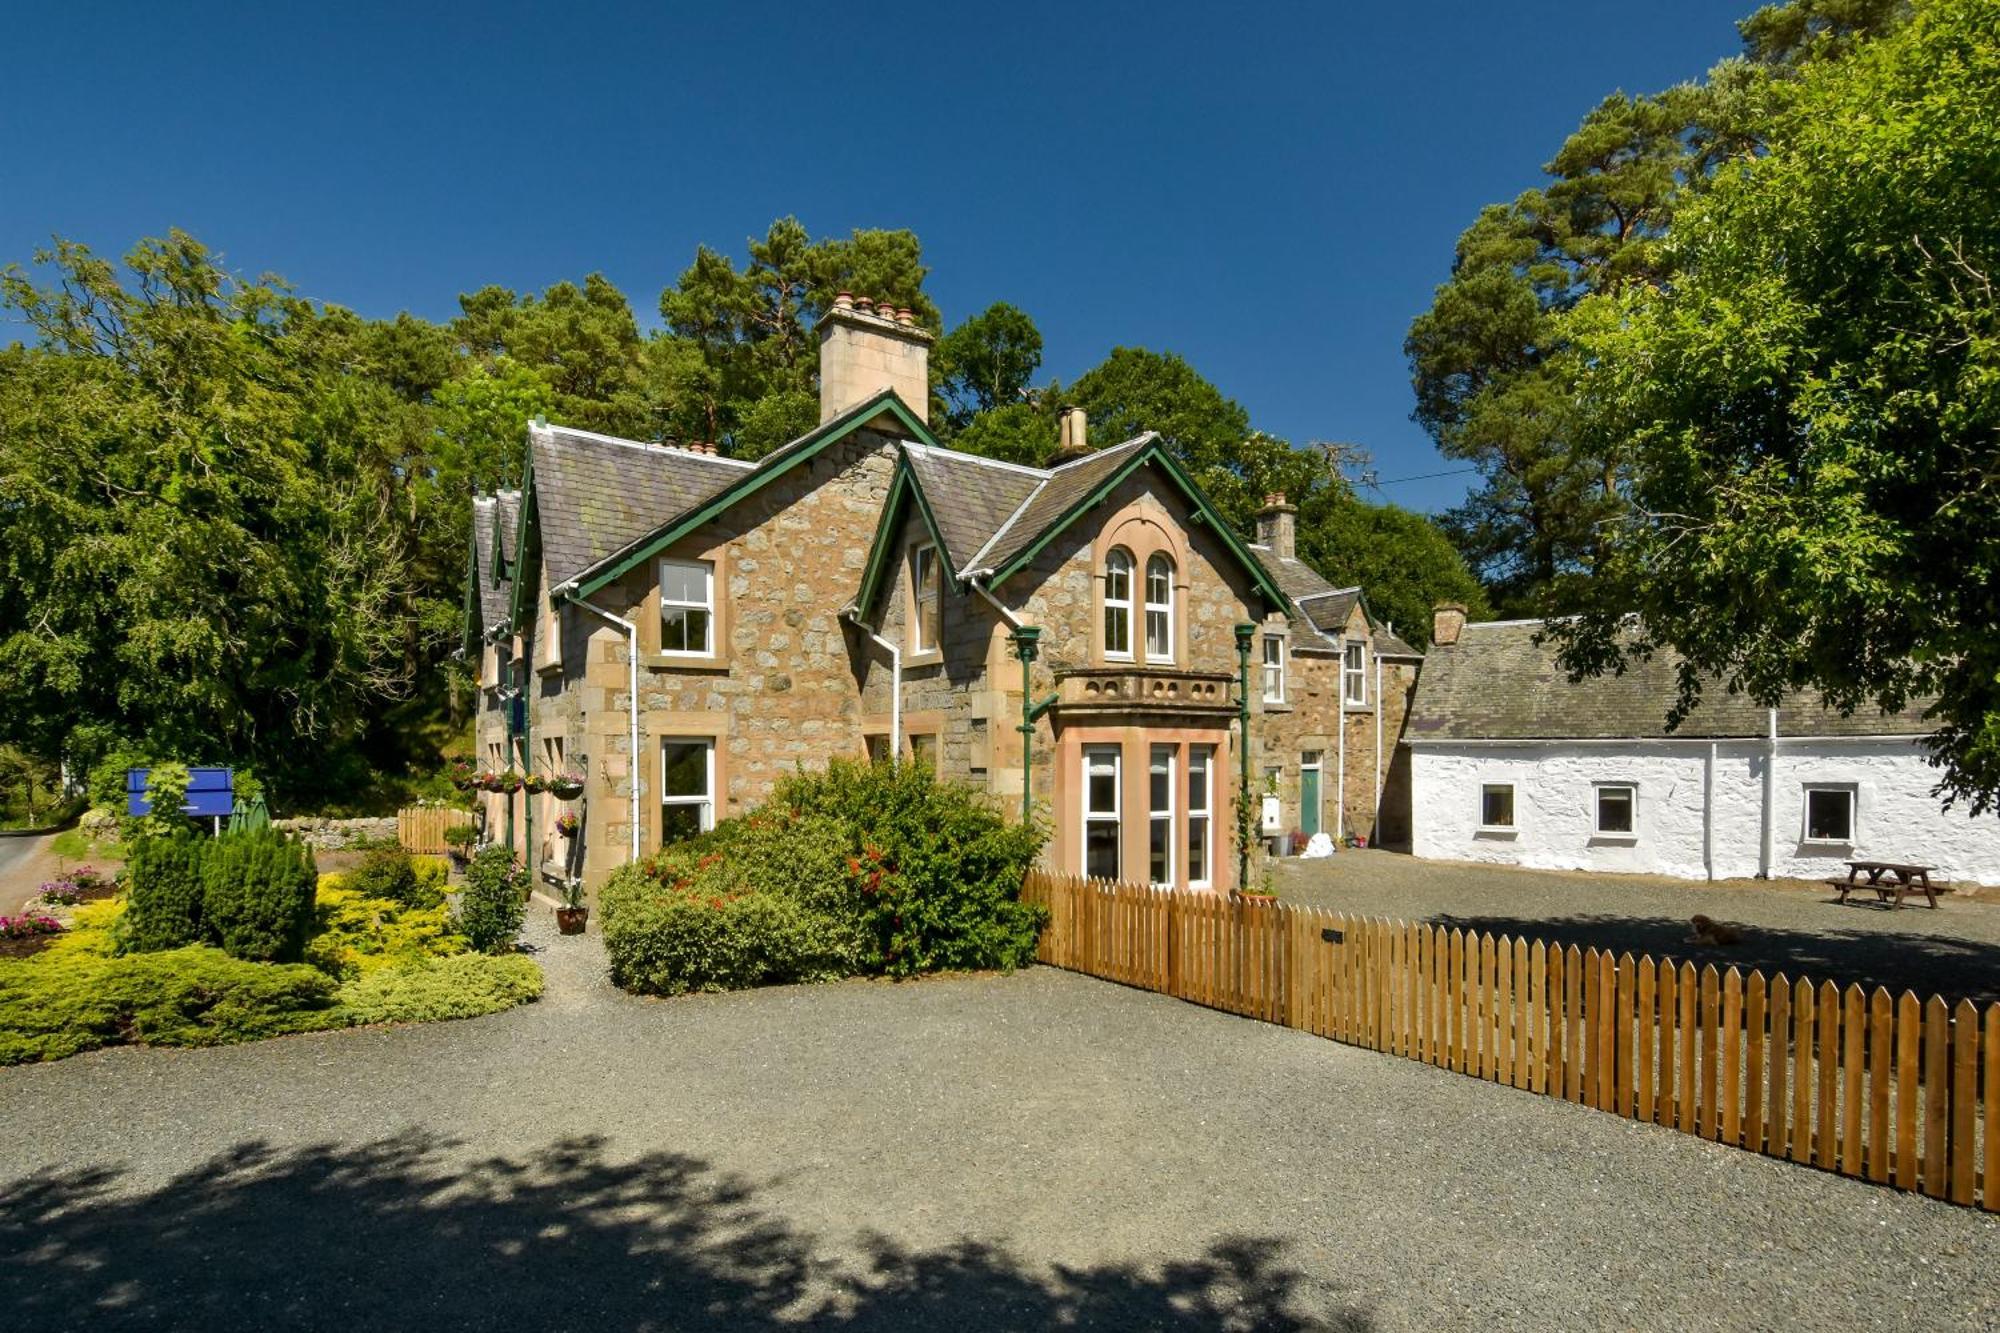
(1118, 603)
(1159, 609)
(687, 608)
(925, 591)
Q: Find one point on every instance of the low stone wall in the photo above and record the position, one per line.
(332, 835)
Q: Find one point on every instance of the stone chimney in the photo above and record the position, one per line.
(1073, 442)
(1277, 526)
(1447, 619)
(865, 348)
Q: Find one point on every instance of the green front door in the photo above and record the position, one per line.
(1309, 794)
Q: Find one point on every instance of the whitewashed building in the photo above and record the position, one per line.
(1511, 763)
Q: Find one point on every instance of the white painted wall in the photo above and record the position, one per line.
(1555, 807)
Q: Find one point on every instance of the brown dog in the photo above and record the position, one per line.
(1714, 933)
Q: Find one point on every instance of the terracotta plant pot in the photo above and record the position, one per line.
(570, 920)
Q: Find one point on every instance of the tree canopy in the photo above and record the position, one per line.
(1811, 409)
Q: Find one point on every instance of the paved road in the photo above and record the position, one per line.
(1790, 927)
(22, 861)
(971, 1153)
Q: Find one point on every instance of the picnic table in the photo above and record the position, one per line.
(1889, 879)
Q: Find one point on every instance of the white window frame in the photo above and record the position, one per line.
(707, 568)
(1155, 816)
(1853, 794)
(1121, 607)
(1597, 790)
(1513, 801)
(1114, 817)
(1201, 868)
(1275, 671)
(926, 589)
(1163, 609)
(1354, 673)
(705, 814)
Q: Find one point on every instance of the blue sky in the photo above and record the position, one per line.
(1271, 191)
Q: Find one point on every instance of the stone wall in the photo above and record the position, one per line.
(332, 835)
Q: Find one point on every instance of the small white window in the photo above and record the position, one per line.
(1159, 609)
(1118, 603)
(1201, 805)
(1496, 805)
(1274, 668)
(1102, 801)
(1830, 814)
(687, 787)
(1160, 817)
(687, 608)
(1617, 810)
(924, 584)
(1354, 672)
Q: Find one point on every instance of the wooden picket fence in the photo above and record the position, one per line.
(420, 828)
(1893, 1090)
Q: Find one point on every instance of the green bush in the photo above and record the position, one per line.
(859, 869)
(465, 986)
(164, 883)
(940, 868)
(257, 895)
(356, 935)
(390, 872)
(756, 902)
(493, 903)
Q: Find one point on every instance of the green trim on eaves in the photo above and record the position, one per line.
(804, 449)
(1204, 513)
(882, 550)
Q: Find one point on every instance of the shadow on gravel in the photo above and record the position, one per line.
(398, 1234)
(1927, 964)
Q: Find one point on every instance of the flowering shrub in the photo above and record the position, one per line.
(859, 869)
(28, 925)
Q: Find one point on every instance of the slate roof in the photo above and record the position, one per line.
(1059, 489)
(1496, 683)
(1390, 644)
(970, 497)
(597, 494)
(494, 596)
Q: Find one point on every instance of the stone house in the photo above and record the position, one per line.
(1510, 762)
(683, 629)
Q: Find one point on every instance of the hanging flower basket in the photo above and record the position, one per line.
(568, 786)
(534, 784)
(567, 825)
(508, 782)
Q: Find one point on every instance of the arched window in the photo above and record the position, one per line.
(1118, 603)
(1159, 609)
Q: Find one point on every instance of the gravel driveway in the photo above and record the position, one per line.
(1788, 926)
(966, 1153)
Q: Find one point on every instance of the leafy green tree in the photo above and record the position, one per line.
(1812, 406)
(754, 328)
(986, 362)
(1403, 562)
(1490, 361)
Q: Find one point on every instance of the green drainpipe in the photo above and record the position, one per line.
(1244, 634)
(1025, 647)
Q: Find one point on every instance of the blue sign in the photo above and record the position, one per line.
(210, 792)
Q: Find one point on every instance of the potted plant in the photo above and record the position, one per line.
(567, 824)
(568, 784)
(458, 840)
(507, 781)
(462, 776)
(572, 915)
(534, 784)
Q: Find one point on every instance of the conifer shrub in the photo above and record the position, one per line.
(257, 895)
(494, 902)
(164, 884)
(390, 872)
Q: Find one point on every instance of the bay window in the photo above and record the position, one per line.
(1102, 800)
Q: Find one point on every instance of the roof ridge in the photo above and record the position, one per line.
(1143, 437)
(651, 447)
(928, 449)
